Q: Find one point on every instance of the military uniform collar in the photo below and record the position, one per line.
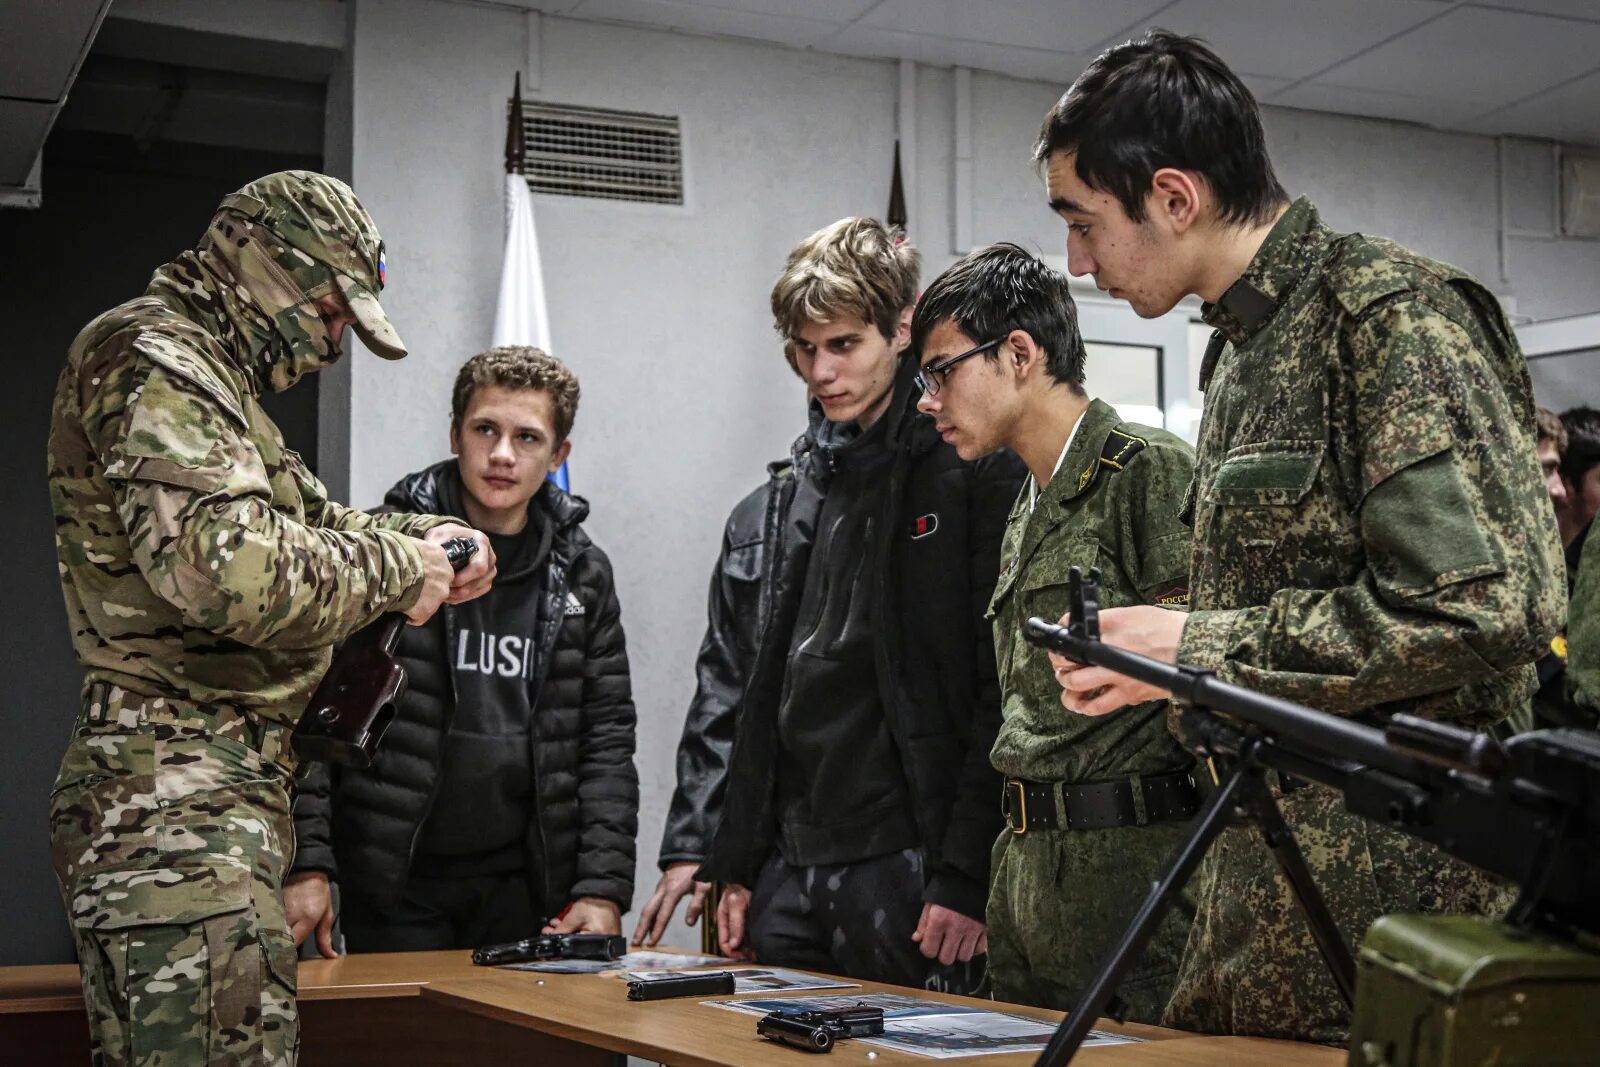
(1277, 267)
(1081, 466)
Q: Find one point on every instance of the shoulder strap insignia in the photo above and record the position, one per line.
(1121, 447)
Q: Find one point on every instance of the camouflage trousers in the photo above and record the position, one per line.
(170, 834)
(1251, 967)
(1060, 899)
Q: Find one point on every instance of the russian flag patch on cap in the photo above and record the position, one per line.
(383, 269)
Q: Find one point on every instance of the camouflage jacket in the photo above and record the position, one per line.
(199, 558)
(1113, 504)
(1371, 531)
(1583, 632)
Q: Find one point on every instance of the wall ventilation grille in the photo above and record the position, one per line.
(613, 155)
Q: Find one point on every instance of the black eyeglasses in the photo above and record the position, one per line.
(929, 378)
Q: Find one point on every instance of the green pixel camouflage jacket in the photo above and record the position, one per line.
(1371, 532)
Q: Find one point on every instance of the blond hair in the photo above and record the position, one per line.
(519, 367)
(1550, 428)
(857, 267)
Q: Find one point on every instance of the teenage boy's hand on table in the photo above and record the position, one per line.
(477, 576)
(731, 913)
(949, 935)
(587, 915)
(309, 906)
(1145, 629)
(677, 882)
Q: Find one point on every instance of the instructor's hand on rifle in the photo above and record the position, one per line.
(474, 579)
(1145, 629)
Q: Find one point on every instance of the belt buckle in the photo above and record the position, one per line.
(1014, 785)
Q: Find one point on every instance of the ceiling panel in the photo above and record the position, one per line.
(40, 44)
(1430, 111)
(1066, 25)
(1577, 9)
(1569, 113)
(1263, 87)
(1031, 63)
(705, 19)
(1305, 37)
(826, 10)
(25, 125)
(1474, 54)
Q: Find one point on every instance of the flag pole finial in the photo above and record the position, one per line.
(897, 195)
(516, 142)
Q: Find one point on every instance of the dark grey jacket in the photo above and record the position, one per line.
(735, 607)
(361, 827)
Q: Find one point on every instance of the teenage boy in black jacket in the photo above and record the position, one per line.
(504, 798)
(861, 805)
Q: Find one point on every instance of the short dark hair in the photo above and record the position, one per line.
(1165, 100)
(1002, 288)
(1583, 442)
(518, 367)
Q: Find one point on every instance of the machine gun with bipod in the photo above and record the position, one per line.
(1527, 810)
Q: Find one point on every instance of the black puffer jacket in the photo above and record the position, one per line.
(936, 676)
(361, 827)
(736, 605)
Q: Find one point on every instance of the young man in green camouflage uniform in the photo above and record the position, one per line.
(1583, 634)
(1094, 806)
(206, 576)
(1371, 532)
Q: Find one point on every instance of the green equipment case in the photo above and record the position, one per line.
(1458, 990)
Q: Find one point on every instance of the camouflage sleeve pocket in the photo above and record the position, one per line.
(1422, 522)
(176, 434)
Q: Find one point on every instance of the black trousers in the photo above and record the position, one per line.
(444, 912)
(852, 919)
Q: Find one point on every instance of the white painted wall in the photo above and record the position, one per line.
(662, 311)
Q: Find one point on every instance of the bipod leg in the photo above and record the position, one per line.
(1279, 838)
(1211, 821)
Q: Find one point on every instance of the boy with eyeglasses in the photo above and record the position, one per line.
(1094, 806)
(481, 821)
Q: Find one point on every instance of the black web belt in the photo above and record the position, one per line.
(1099, 805)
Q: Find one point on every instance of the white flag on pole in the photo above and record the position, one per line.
(521, 317)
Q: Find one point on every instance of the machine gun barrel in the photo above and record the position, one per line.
(1339, 738)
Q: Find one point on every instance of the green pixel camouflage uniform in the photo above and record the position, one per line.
(1060, 898)
(1583, 631)
(1372, 536)
(206, 576)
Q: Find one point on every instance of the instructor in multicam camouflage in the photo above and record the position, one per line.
(207, 576)
(1372, 534)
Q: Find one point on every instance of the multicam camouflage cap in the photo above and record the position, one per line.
(319, 217)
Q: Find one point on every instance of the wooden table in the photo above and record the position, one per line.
(420, 1008)
(358, 1010)
(593, 1010)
